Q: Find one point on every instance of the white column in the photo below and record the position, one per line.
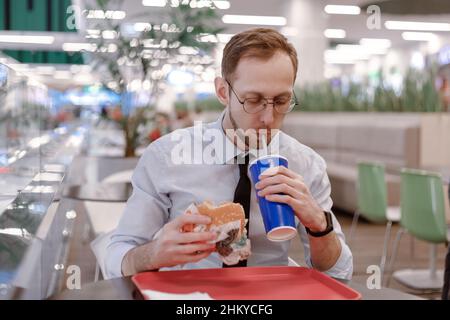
(306, 22)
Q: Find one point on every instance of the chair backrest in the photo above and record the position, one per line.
(422, 205)
(104, 216)
(371, 190)
(98, 247)
(292, 262)
(121, 176)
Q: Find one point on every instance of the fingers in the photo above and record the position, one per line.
(194, 248)
(183, 219)
(280, 188)
(279, 170)
(297, 184)
(294, 203)
(193, 256)
(190, 237)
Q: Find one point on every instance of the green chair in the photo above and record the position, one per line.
(423, 216)
(372, 203)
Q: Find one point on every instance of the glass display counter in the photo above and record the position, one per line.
(34, 159)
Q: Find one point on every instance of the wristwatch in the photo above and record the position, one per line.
(327, 230)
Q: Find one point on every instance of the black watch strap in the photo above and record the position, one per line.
(327, 230)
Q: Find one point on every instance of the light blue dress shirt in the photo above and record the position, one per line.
(163, 187)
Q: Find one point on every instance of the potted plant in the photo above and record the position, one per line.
(123, 57)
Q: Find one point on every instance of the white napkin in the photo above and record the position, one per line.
(158, 295)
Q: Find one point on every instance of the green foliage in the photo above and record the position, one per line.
(418, 94)
(142, 56)
(186, 27)
(209, 104)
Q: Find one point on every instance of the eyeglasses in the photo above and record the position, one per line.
(254, 105)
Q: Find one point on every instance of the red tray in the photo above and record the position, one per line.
(251, 283)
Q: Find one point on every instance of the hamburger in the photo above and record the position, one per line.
(228, 222)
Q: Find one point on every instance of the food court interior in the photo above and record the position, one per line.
(87, 85)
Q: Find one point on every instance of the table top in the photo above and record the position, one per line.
(124, 289)
(106, 192)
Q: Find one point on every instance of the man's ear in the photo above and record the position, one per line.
(222, 90)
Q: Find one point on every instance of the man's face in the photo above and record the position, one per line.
(272, 79)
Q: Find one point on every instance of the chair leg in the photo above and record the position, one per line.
(433, 257)
(97, 272)
(411, 249)
(387, 236)
(353, 227)
(394, 254)
(422, 279)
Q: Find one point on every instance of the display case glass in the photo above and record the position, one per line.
(35, 154)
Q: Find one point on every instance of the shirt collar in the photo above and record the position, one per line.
(231, 151)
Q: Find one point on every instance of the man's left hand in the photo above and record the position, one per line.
(279, 184)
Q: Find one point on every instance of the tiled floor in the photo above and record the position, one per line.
(366, 248)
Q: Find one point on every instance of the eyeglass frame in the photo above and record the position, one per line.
(296, 103)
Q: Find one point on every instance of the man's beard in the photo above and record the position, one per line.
(250, 138)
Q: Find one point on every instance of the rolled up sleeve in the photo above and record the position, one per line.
(320, 188)
(145, 214)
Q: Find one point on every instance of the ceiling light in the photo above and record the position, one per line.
(223, 5)
(26, 39)
(224, 37)
(92, 34)
(83, 78)
(154, 3)
(75, 68)
(19, 66)
(73, 46)
(86, 68)
(256, 20)
(109, 34)
(207, 38)
(339, 9)
(112, 47)
(207, 4)
(419, 26)
(188, 50)
(110, 14)
(356, 48)
(343, 57)
(142, 26)
(418, 36)
(373, 42)
(45, 70)
(62, 75)
(93, 31)
(334, 33)
(117, 15)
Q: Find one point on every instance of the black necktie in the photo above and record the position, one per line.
(242, 196)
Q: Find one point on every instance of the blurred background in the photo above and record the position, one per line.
(86, 85)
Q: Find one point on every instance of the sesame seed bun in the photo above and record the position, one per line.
(224, 213)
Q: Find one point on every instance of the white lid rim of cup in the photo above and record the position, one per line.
(289, 237)
(266, 157)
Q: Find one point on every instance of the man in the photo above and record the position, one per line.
(259, 68)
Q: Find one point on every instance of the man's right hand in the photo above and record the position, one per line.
(172, 247)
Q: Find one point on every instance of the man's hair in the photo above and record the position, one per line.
(258, 42)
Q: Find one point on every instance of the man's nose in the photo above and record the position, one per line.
(267, 115)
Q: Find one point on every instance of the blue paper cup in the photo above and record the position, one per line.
(279, 218)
